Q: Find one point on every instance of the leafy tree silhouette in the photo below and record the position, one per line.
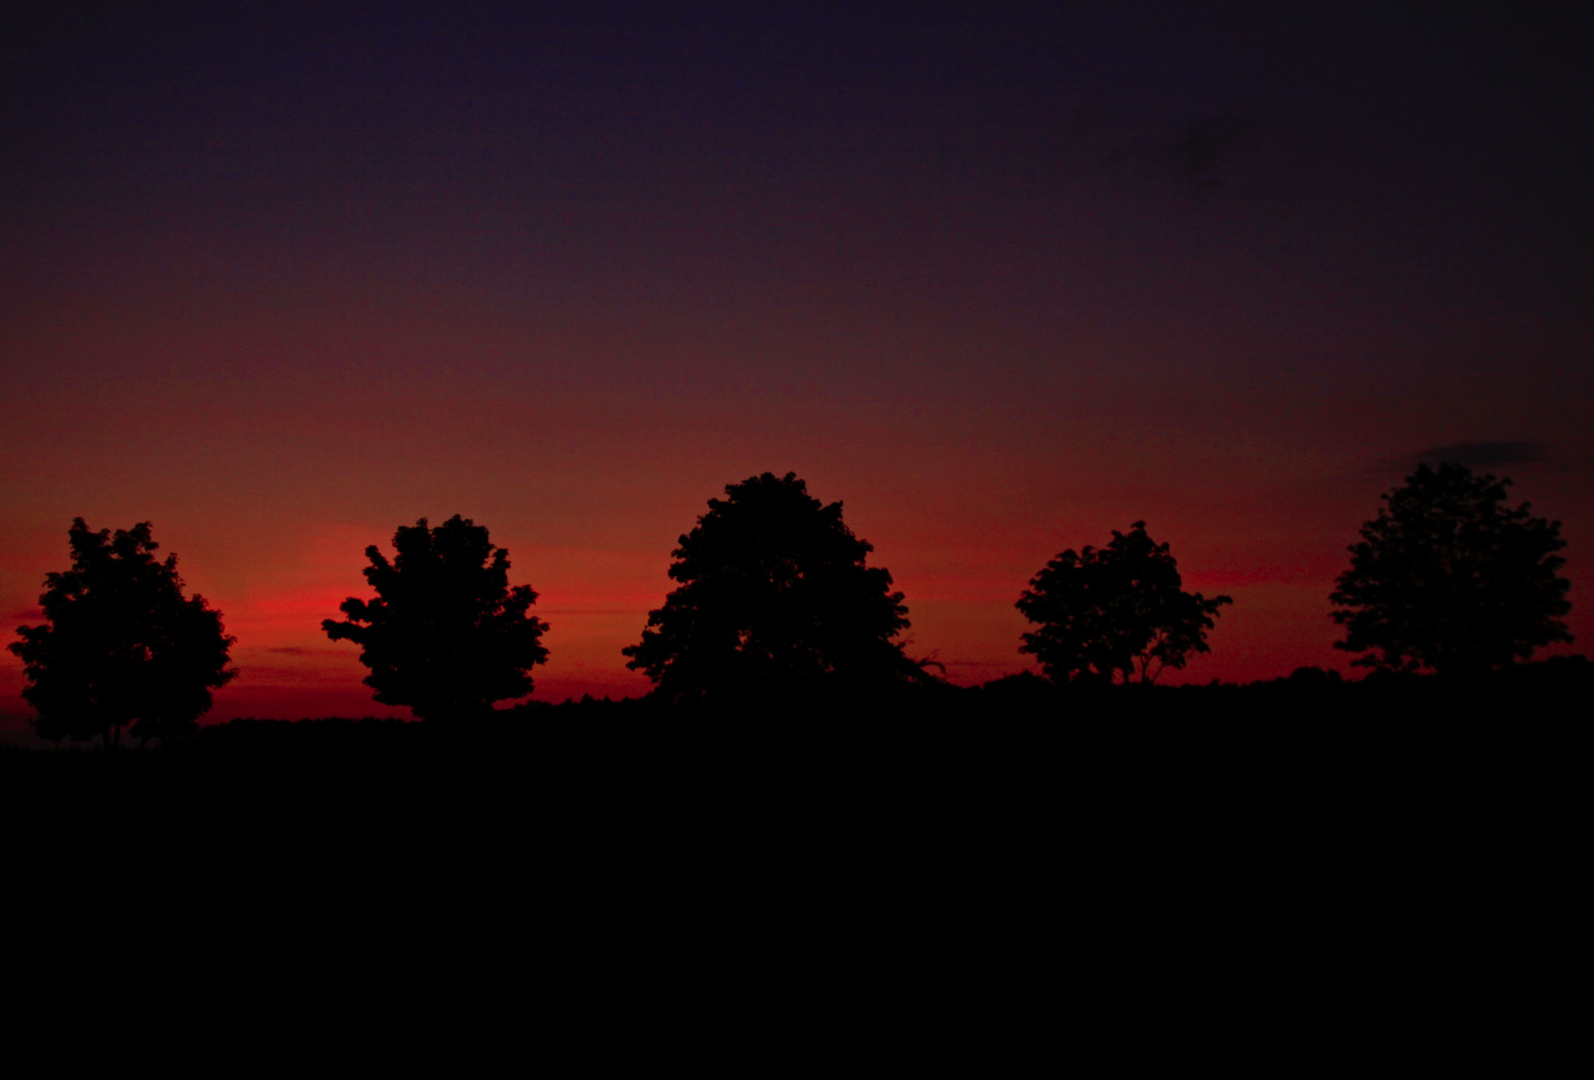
(1451, 579)
(122, 647)
(774, 597)
(1118, 609)
(446, 635)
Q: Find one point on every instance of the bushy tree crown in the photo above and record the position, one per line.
(1450, 578)
(446, 635)
(775, 593)
(1121, 609)
(122, 647)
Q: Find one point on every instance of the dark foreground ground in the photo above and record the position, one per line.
(1283, 878)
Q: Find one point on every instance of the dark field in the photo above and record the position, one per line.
(1278, 877)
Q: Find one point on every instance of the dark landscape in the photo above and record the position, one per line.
(1283, 875)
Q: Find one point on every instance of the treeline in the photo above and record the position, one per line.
(776, 601)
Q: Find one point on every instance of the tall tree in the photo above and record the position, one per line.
(1117, 610)
(446, 635)
(122, 648)
(1450, 578)
(775, 595)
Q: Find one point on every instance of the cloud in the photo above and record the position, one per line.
(1224, 150)
(1484, 455)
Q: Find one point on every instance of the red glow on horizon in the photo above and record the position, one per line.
(960, 584)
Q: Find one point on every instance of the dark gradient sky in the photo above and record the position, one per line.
(1000, 277)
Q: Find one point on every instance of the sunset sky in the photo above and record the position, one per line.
(282, 277)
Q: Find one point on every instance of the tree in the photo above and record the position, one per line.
(122, 647)
(446, 635)
(1118, 609)
(1451, 579)
(775, 596)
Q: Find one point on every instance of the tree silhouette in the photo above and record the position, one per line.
(1118, 609)
(1449, 578)
(774, 597)
(446, 635)
(122, 646)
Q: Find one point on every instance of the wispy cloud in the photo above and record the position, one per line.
(1203, 146)
(1484, 455)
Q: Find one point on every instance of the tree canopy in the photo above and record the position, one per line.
(1101, 612)
(122, 646)
(775, 594)
(1450, 578)
(446, 635)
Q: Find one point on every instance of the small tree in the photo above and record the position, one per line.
(446, 635)
(122, 647)
(1118, 609)
(1451, 579)
(775, 595)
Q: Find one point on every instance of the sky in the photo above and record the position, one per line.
(280, 278)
